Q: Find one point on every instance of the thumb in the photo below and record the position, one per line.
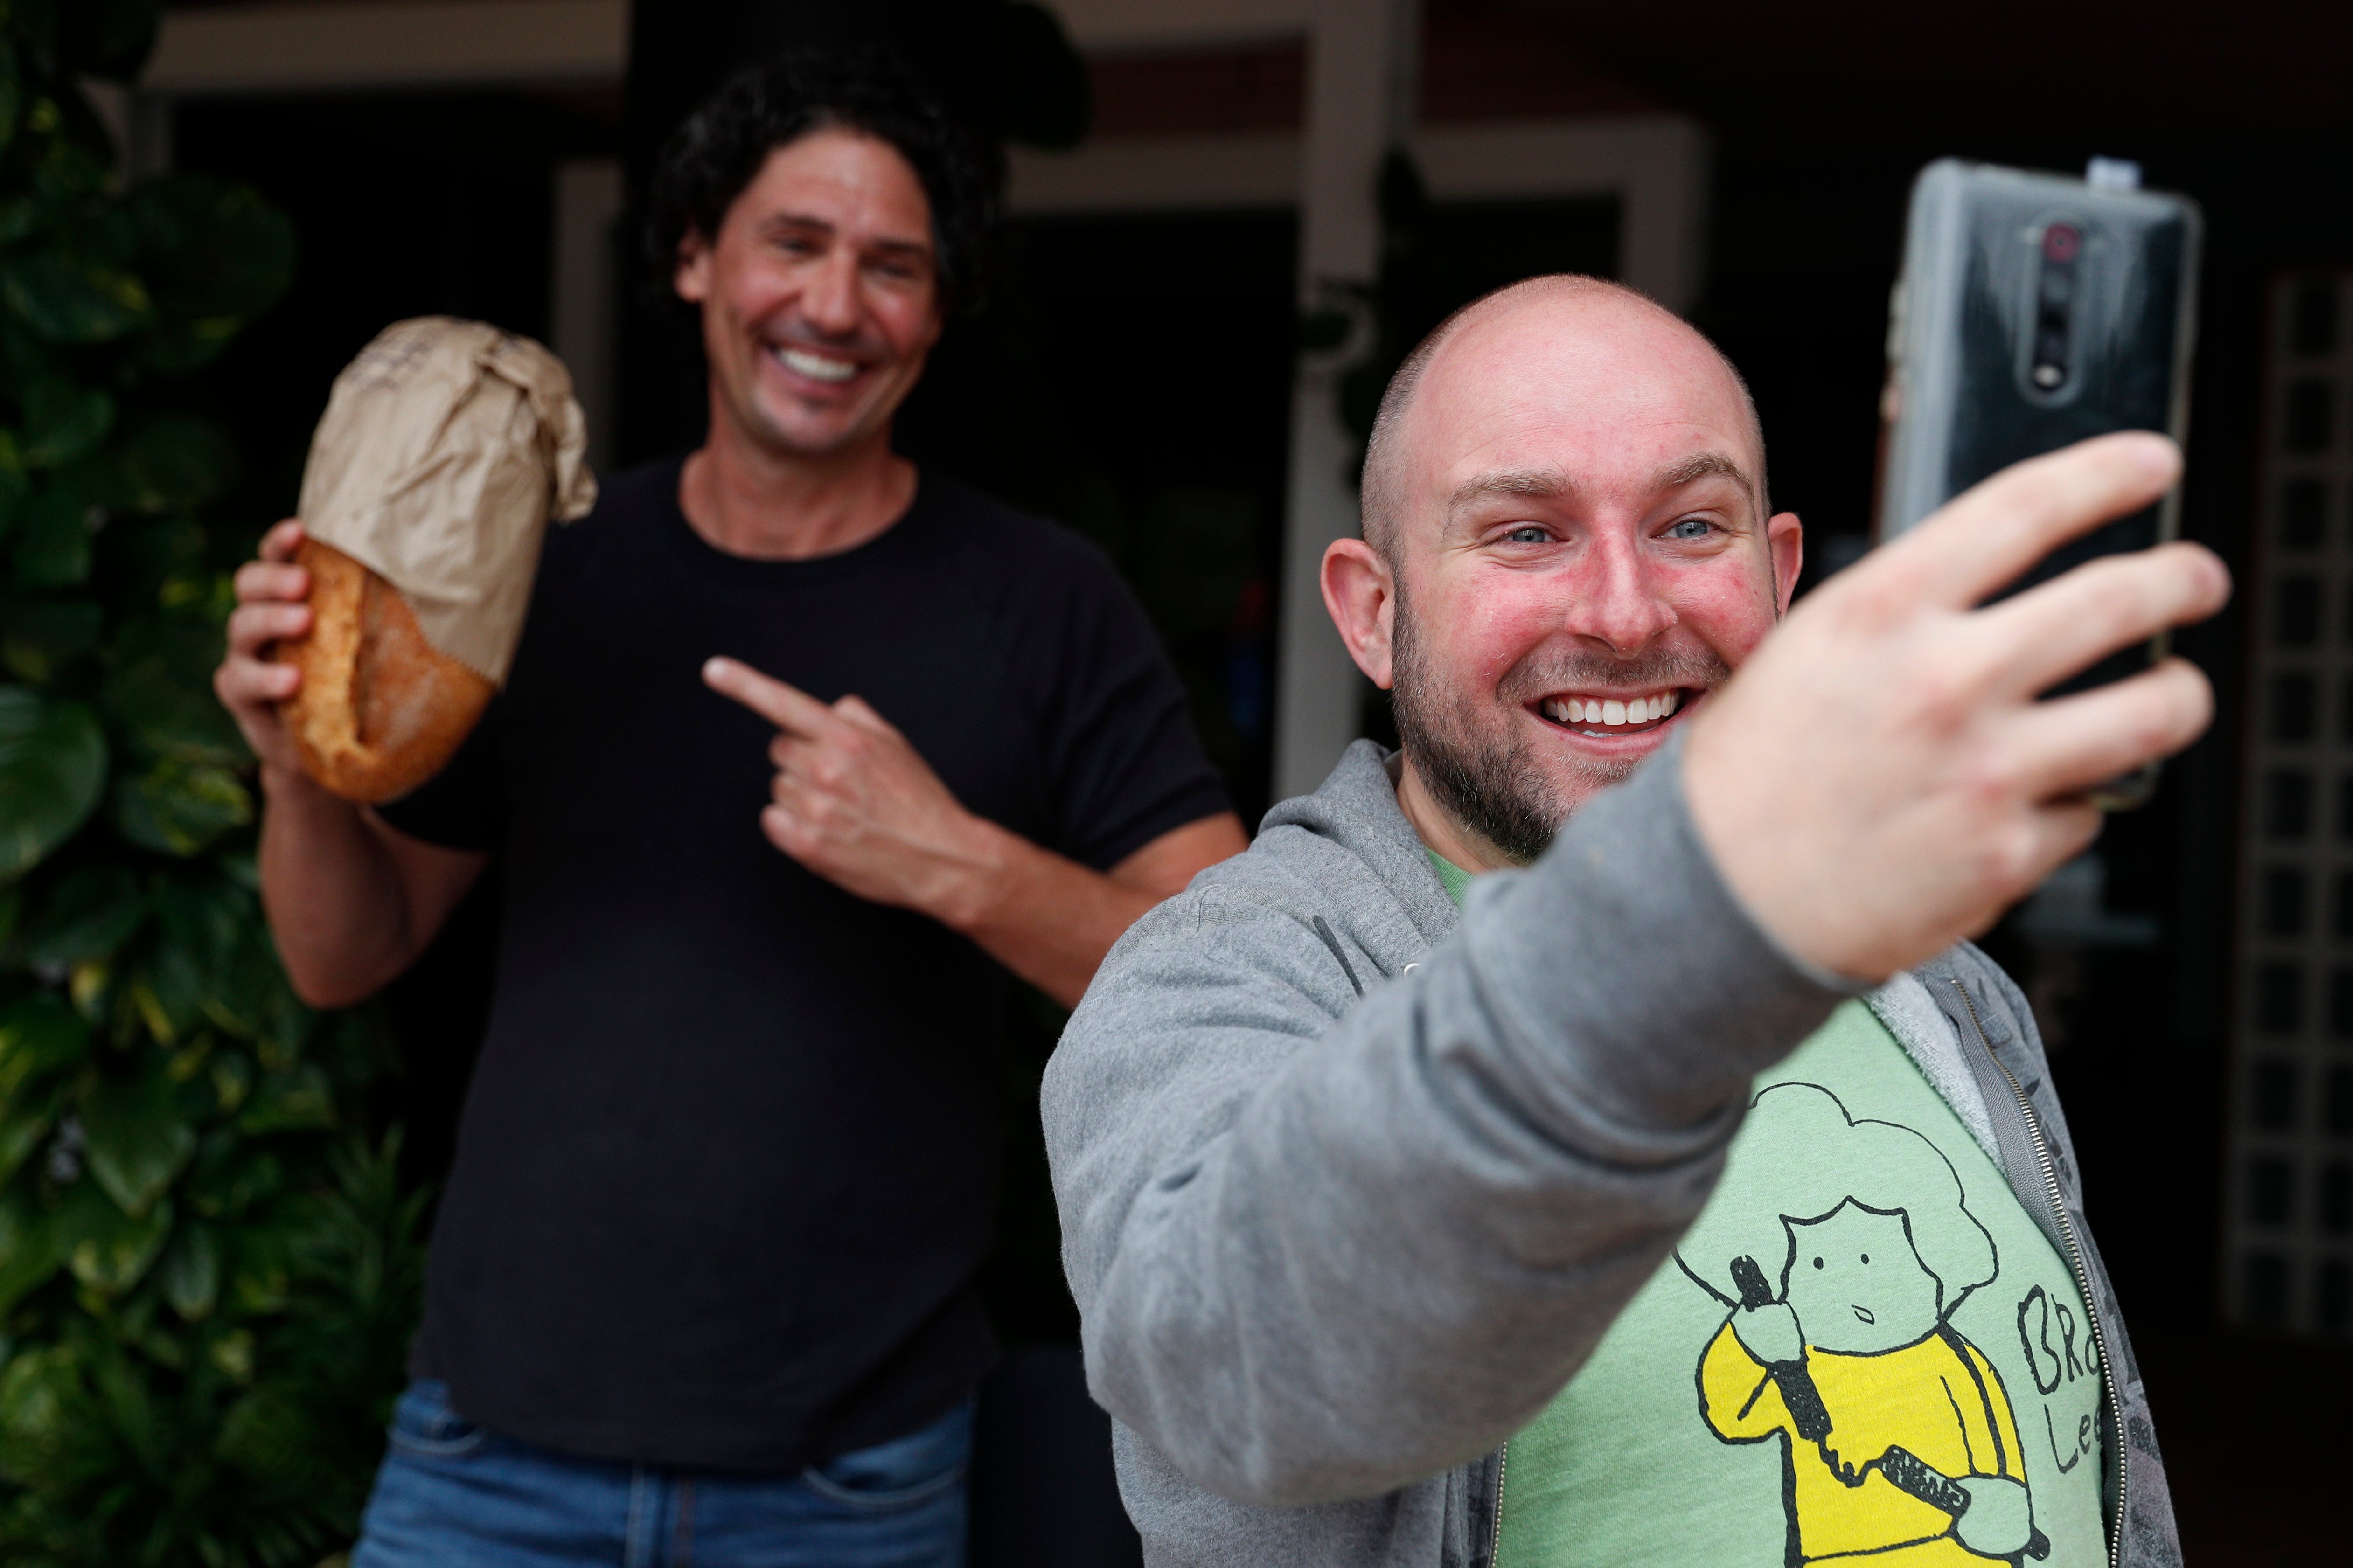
(858, 711)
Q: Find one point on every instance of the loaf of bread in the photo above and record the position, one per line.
(380, 710)
(446, 448)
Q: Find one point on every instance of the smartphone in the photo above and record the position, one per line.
(2035, 310)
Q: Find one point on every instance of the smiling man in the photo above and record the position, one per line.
(1377, 1147)
(804, 748)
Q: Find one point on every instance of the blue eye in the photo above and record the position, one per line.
(1528, 534)
(1690, 528)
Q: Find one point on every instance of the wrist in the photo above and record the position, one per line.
(983, 867)
(285, 783)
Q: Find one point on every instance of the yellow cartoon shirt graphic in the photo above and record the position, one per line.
(1938, 1399)
(1864, 1351)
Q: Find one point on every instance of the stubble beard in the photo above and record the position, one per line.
(1476, 756)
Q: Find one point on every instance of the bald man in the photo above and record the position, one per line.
(1586, 1134)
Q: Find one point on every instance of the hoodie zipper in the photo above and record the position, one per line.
(1496, 1542)
(2110, 1401)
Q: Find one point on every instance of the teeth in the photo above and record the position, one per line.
(816, 366)
(1615, 713)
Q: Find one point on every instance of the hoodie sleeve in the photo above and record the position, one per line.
(1326, 1247)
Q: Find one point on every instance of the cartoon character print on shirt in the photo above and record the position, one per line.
(1840, 1274)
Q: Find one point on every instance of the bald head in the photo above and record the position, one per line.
(1561, 317)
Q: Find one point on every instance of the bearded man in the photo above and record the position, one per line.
(1370, 1176)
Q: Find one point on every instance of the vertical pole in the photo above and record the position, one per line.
(585, 304)
(1361, 68)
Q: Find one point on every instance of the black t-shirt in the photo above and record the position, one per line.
(728, 1160)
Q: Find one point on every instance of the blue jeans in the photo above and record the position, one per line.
(454, 1495)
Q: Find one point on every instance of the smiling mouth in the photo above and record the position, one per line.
(1864, 1313)
(817, 367)
(1618, 714)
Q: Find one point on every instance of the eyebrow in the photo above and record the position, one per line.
(1532, 484)
(777, 222)
(1700, 466)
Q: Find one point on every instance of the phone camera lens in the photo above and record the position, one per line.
(2061, 242)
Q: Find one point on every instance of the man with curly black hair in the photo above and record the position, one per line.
(803, 749)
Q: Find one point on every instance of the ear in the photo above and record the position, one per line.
(1785, 536)
(692, 276)
(1361, 595)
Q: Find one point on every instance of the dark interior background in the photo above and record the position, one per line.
(1132, 379)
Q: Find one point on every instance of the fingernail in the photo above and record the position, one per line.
(713, 669)
(2158, 454)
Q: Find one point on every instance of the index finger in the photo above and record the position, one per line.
(1987, 537)
(280, 543)
(787, 707)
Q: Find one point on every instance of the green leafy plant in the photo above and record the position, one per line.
(207, 1267)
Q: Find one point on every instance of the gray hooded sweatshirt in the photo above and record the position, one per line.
(1352, 1184)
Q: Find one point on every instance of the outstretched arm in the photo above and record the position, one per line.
(857, 805)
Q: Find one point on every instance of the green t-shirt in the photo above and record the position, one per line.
(1938, 1321)
(1457, 881)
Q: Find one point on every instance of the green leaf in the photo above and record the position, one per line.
(90, 914)
(216, 255)
(39, 1036)
(216, 958)
(232, 1080)
(23, 1126)
(160, 691)
(12, 95)
(62, 421)
(52, 773)
(37, 1391)
(74, 299)
(28, 1254)
(175, 461)
(233, 1352)
(159, 562)
(40, 637)
(15, 490)
(108, 1250)
(298, 1101)
(191, 1275)
(231, 1178)
(179, 808)
(136, 1143)
(164, 992)
(258, 1272)
(53, 546)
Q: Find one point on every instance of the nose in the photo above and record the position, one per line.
(828, 300)
(1617, 600)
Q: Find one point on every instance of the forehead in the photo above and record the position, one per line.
(1608, 390)
(838, 176)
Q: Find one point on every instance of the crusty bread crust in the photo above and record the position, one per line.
(380, 710)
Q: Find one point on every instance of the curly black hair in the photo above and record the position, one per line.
(708, 161)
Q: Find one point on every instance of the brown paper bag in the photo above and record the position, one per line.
(446, 447)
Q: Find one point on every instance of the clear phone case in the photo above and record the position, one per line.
(2035, 310)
